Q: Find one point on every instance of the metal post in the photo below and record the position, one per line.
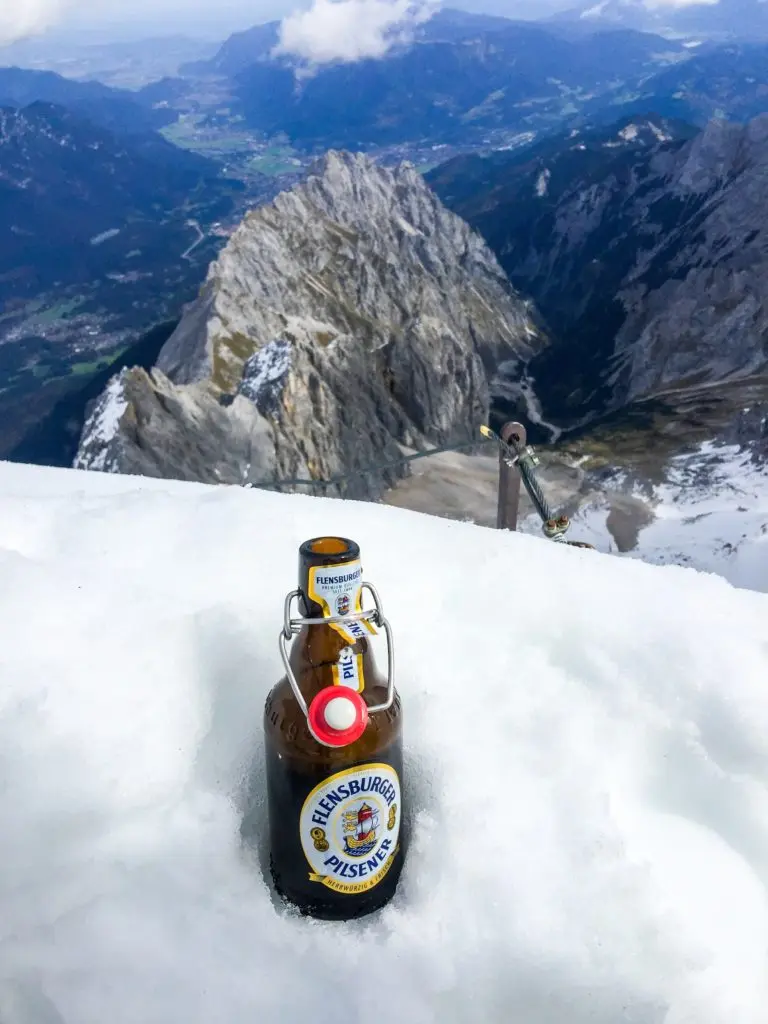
(509, 480)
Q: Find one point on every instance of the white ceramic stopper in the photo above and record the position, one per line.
(340, 714)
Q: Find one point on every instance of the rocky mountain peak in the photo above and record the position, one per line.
(352, 315)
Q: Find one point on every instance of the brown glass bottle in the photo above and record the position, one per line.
(337, 841)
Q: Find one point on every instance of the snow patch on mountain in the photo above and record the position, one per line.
(695, 19)
(711, 513)
(409, 229)
(596, 11)
(105, 236)
(102, 426)
(661, 135)
(264, 374)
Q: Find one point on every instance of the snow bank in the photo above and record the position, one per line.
(588, 747)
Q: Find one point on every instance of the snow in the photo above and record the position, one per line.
(265, 371)
(512, 385)
(104, 236)
(596, 11)
(409, 229)
(660, 135)
(591, 845)
(710, 514)
(631, 132)
(102, 425)
(517, 142)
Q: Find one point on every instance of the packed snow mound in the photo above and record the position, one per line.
(587, 745)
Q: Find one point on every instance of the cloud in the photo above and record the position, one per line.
(21, 18)
(350, 30)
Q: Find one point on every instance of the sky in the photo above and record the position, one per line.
(130, 18)
(310, 26)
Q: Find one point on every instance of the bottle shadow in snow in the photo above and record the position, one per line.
(235, 675)
(254, 821)
(23, 1001)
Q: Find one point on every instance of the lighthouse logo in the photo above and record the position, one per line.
(360, 827)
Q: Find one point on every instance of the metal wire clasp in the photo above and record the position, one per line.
(375, 615)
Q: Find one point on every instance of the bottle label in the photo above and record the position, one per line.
(348, 670)
(350, 826)
(337, 589)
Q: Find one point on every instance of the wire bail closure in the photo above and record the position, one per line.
(375, 615)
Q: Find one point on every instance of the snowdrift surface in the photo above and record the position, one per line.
(588, 745)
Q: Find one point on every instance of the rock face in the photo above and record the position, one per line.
(353, 314)
(145, 426)
(648, 263)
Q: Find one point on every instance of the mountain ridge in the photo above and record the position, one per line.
(101, 236)
(117, 110)
(68, 181)
(460, 78)
(647, 272)
(353, 314)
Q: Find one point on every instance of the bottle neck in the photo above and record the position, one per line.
(330, 584)
(330, 577)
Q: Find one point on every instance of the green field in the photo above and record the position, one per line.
(189, 134)
(274, 161)
(58, 312)
(87, 368)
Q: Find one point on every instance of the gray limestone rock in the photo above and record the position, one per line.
(353, 314)
(749, 430)
(697, 309)
(143, 424)
(646, 255)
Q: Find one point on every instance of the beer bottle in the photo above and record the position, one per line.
(334, 746)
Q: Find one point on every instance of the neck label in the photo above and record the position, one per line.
(337, 589)
(348, 670)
